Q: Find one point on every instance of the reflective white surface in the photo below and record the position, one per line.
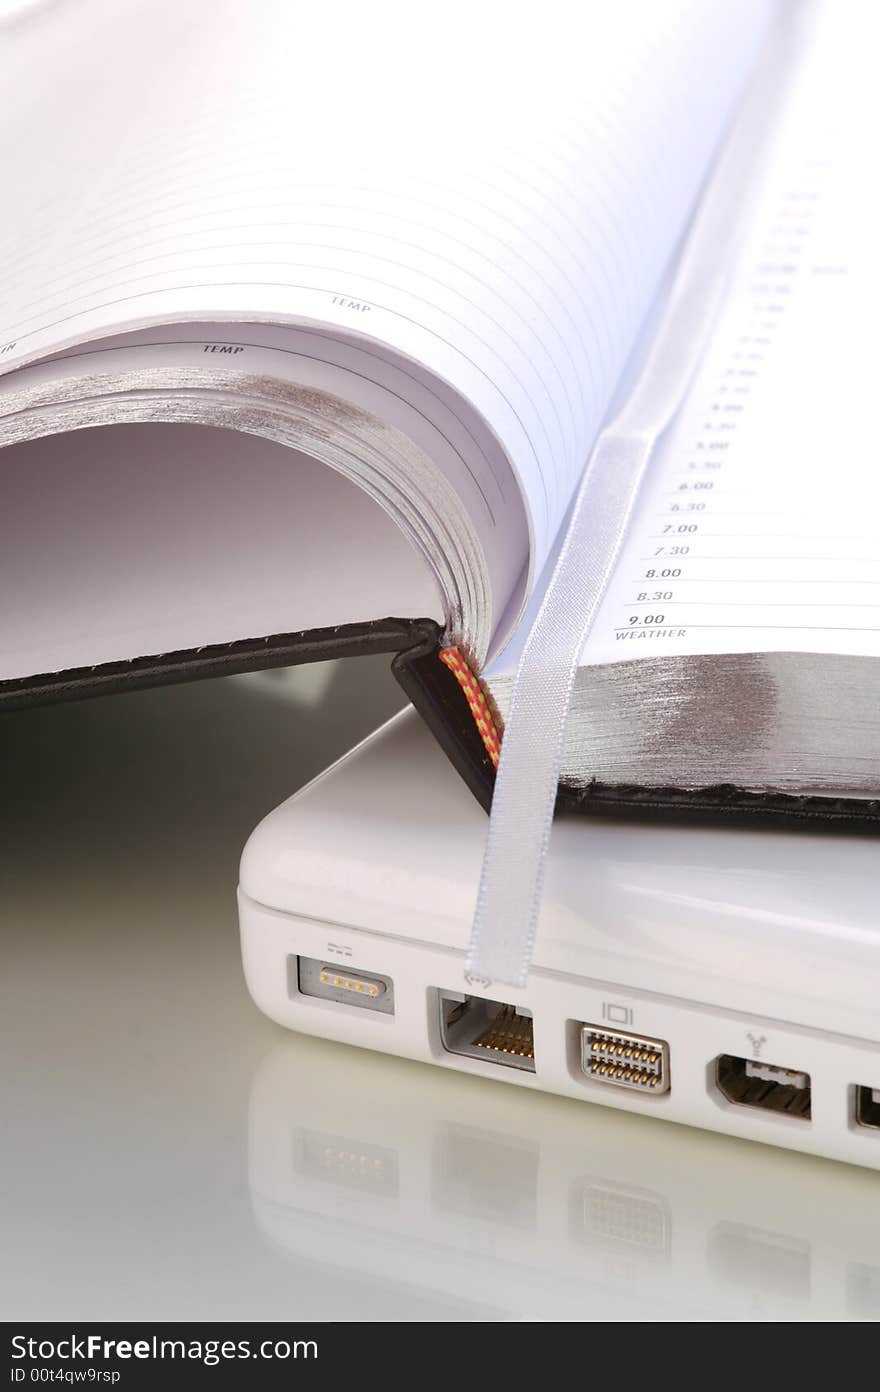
(169, 1153)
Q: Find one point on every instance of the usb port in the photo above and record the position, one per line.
(868, 1107)
(343, 985)
(487, 1029)
(625, 1060)
(752, 1083)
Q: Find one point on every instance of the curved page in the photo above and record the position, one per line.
(497, 205)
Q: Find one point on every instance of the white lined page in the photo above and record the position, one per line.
(759, 528)
(498, 204)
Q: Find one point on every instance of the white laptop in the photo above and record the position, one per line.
(719, 978)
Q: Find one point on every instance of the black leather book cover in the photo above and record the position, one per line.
(414, 645)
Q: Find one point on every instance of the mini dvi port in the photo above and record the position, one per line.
(621, 1219)
(625, 1060)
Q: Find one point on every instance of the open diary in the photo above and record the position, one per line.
(309, 326)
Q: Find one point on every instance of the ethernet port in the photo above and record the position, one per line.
(480, 1175)
(868, 1107)
(753, 1083)
(487, 1029)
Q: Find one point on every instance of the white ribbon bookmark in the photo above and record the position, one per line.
(509, 898)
